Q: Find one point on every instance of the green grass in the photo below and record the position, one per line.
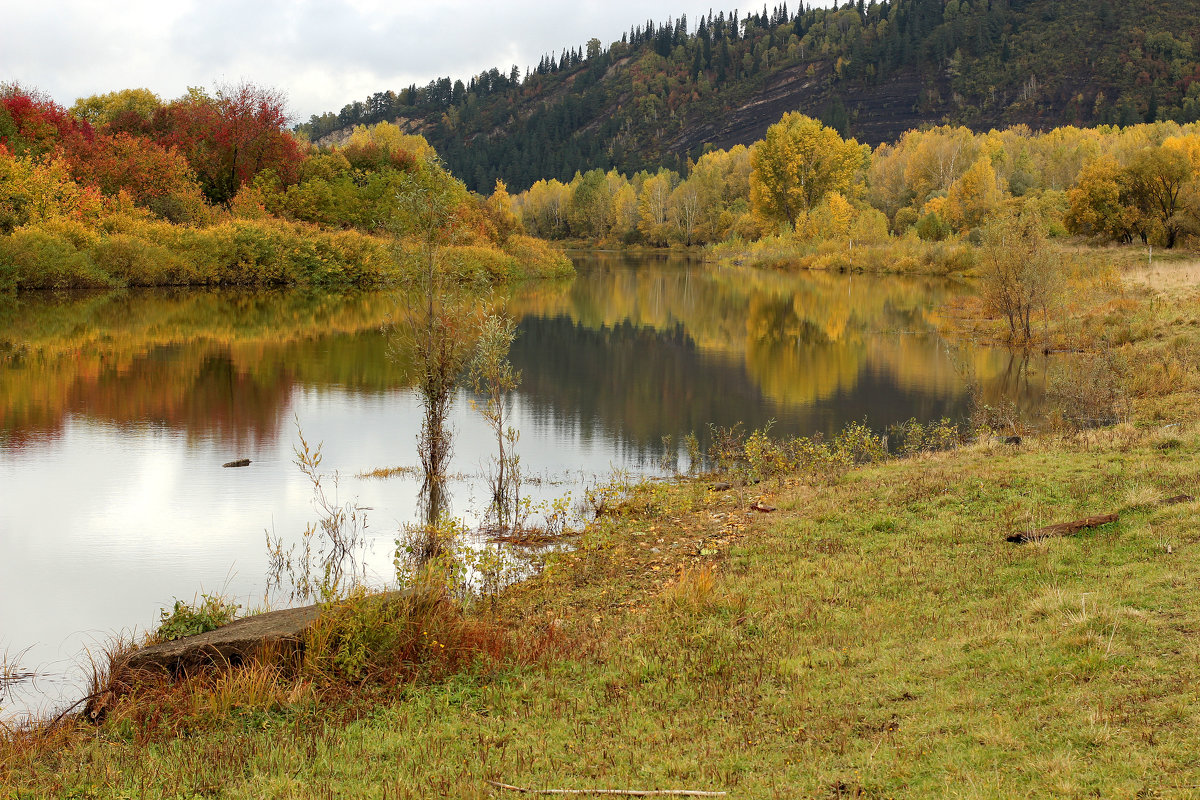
(876, 637)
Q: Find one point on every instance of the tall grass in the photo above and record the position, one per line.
(895, 254)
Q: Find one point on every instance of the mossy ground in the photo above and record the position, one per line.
(876, 636)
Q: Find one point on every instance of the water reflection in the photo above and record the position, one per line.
(634, 350)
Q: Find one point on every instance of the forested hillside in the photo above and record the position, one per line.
(666, 91)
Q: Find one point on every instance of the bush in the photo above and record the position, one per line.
(34, 258)
(757, 456)
(1089, 392)
(188, 620)
(932, 228)
(129, 248)
(390, 637)
(535, 258)
(905, 218)
(913, 437)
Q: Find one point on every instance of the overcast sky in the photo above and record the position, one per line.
(322, 53)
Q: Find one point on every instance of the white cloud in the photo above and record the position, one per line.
(322, 53)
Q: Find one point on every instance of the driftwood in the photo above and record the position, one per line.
(241, 462)
(1062, 529)
(1072, 528)
(234, 643)
(623, 792)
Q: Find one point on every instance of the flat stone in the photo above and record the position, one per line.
(230, 644)
(241, 640)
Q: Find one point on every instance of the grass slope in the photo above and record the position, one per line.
(876, 637)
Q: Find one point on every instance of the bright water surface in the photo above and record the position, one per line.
(117, 411)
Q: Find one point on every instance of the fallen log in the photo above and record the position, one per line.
(1072, 528)
(241, 462)
(1062, 529)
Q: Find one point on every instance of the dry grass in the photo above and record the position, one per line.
(390, 472)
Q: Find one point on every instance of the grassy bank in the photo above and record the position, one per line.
(893, 254)
(126, 250)
(874, 636)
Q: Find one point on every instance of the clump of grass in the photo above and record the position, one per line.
(396, 637)
(693, 590)
(1141, 496)
(389, 472)
(189, 619)
(11, 670)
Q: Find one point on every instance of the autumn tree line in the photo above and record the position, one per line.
(636, 103)
(212, 188)
(1137, 184)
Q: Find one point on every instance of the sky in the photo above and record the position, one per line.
(322, 53)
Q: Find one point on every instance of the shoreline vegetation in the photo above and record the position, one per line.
(805, 198)
(210, 190)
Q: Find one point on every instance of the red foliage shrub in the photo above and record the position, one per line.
(35, 126)
(229, 139)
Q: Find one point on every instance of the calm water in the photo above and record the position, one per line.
(117, 411)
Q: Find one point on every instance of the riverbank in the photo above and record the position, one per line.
(135, 251)
(894, 254)
(874, 635)
(330, 225)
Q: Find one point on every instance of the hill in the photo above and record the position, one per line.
(667, 91)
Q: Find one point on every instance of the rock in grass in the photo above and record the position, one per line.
(229, 644)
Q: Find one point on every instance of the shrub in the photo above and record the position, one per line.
(1089, 392)
(35, 258)
(535, 258)
(932, 228)
(188, 620)
(914, 437)
(391, 637)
